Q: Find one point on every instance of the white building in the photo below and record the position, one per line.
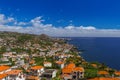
(60, 64)
(15, 75)
(36, 70)
(49, 74)
(47, 64)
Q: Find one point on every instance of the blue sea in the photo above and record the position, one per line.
(104, 50)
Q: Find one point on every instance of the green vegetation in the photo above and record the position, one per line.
(39, 60)
(24, 38)
(111, 72)
(56, 78)
(12, 62)
(75, 59)
(57, 75)
(2, 49)
(35, 44)
(90, 73)
(2, 62)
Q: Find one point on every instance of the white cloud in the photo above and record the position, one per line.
(36, 26)
(36, 22)
(2, 19)
(21, 23)
(10, 19)
(5, 20)
(70, 27)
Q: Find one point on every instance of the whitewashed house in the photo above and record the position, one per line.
(49, 74)
(36, 70)
(60, 64)
(47, 64)
(15, 75)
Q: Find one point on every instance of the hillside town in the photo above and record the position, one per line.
(40, 57)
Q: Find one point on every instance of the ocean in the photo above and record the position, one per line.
(101, 49)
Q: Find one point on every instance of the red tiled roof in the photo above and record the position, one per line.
(71, 65)
(36, 67)
(94, 65)
(33, 78)
(103, 78)
(81, 69)
(2, 68)
(117, 73)
(2, 76)
(66, 71)
(13, 72)
(103, 73)
(71, 68)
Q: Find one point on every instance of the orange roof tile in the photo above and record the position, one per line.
(103, 78)
(36, 67)
(33, 78)
(81, 69)
(69, 68)
(94, 79)
(13, 72)
(117, 73)
(2, 76)
(32, 62)
(3, 68)
(66, 70)
(103, 73)
(94, 65)
(27, 70)
(71, 65)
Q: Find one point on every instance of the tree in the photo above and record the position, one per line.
(111, 72)
(2, 49)
(56, 78)
(90, 73)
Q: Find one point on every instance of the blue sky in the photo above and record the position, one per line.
(100, 16)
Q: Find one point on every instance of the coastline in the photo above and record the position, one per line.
(97, 49)
(57, 53)
(95, 64)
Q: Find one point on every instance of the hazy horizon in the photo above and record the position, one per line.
(74, 18)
